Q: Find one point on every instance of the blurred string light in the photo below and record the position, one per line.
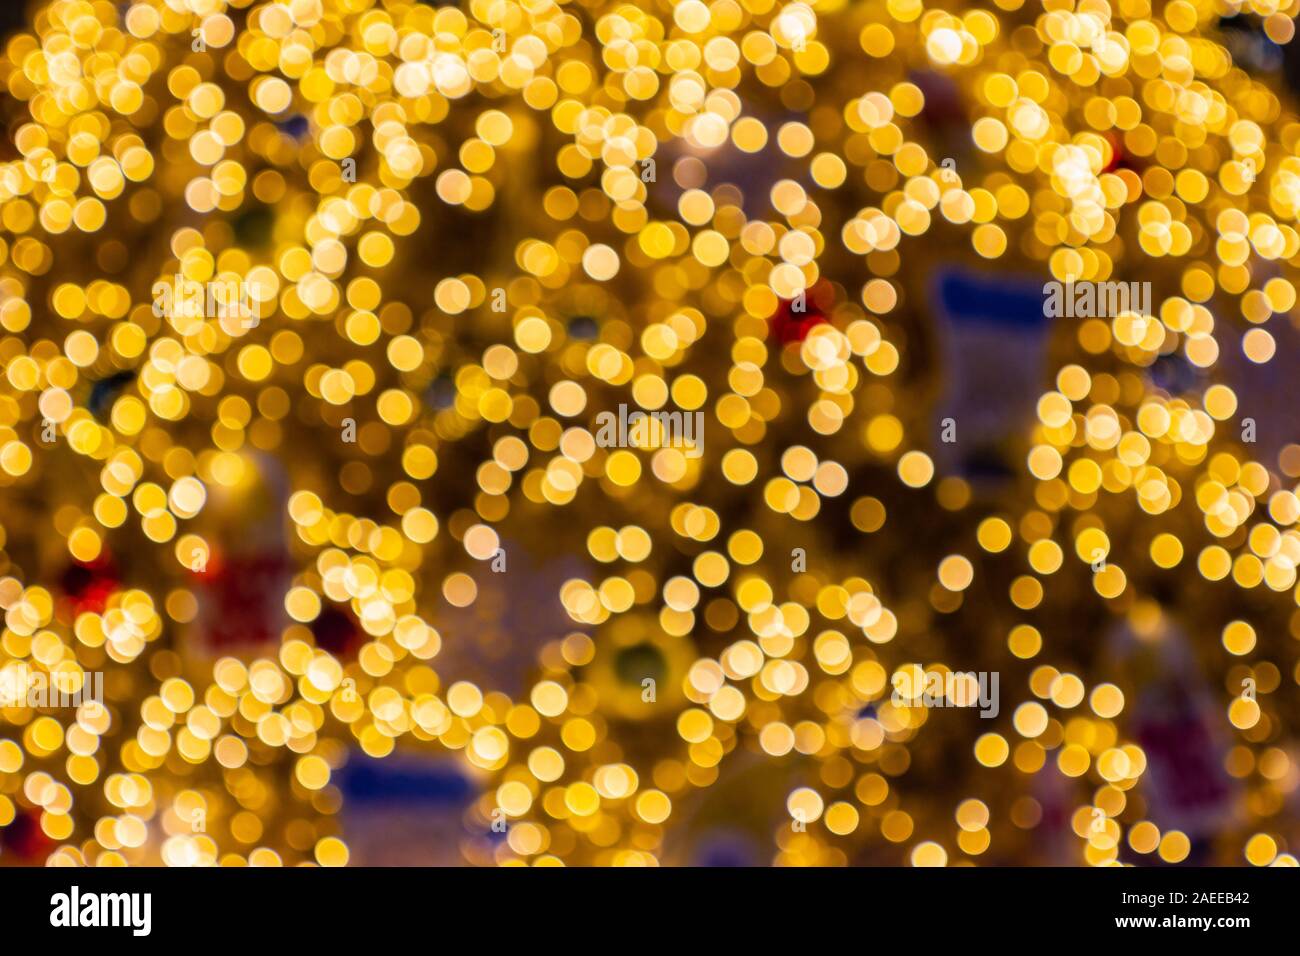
(467, 232)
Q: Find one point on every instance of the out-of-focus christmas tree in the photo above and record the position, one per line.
(313, 312)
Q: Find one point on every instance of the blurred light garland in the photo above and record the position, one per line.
(456, 237)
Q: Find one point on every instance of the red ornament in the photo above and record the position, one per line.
(790, 326)
(336, 631)
(87, 586)
(25, 838)
(1119, 156)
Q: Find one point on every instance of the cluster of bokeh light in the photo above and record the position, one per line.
(464, 233)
